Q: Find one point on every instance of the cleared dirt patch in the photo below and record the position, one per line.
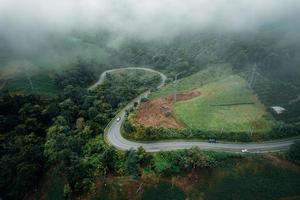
(159, 112)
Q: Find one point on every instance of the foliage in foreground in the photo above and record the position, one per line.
(252, 179)
(163, 191)
(294, 152)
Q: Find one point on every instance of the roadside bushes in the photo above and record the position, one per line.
(173, 162)
(282, 129)
(140, 132)
(170, 162)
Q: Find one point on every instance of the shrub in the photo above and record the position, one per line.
(294, 152)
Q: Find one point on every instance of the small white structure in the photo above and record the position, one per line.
(278, 110)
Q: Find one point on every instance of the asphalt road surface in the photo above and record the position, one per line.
(114, 137)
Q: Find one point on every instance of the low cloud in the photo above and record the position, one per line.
(149, 17)
(24, 24)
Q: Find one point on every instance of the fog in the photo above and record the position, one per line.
(38, 31)
(145, 19)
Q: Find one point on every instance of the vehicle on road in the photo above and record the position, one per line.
(118, 119)
(212, 140)
(244, 150)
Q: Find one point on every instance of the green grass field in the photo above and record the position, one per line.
(210, 74)
(212, 110)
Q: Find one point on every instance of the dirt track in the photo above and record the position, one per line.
(159, 112)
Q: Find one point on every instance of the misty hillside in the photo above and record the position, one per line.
(149, 100)
(275, 53)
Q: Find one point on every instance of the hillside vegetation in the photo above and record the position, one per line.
(64, 134)
(210, 74)
(40, 83)
(226, 105)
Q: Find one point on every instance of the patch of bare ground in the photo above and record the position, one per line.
(159, 112)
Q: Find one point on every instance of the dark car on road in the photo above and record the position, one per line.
(212, 140)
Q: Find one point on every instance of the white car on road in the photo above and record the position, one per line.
(244, 150)
(118, 119)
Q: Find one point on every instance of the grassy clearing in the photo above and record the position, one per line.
(202, 112)
(208, 112)
(211, 74)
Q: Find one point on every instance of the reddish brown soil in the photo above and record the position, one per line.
(159, 112)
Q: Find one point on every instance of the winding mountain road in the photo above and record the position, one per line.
(114, 137)
(103, 75)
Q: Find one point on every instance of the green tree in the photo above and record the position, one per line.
(57, 144)
(132, 163)
(109, 159)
